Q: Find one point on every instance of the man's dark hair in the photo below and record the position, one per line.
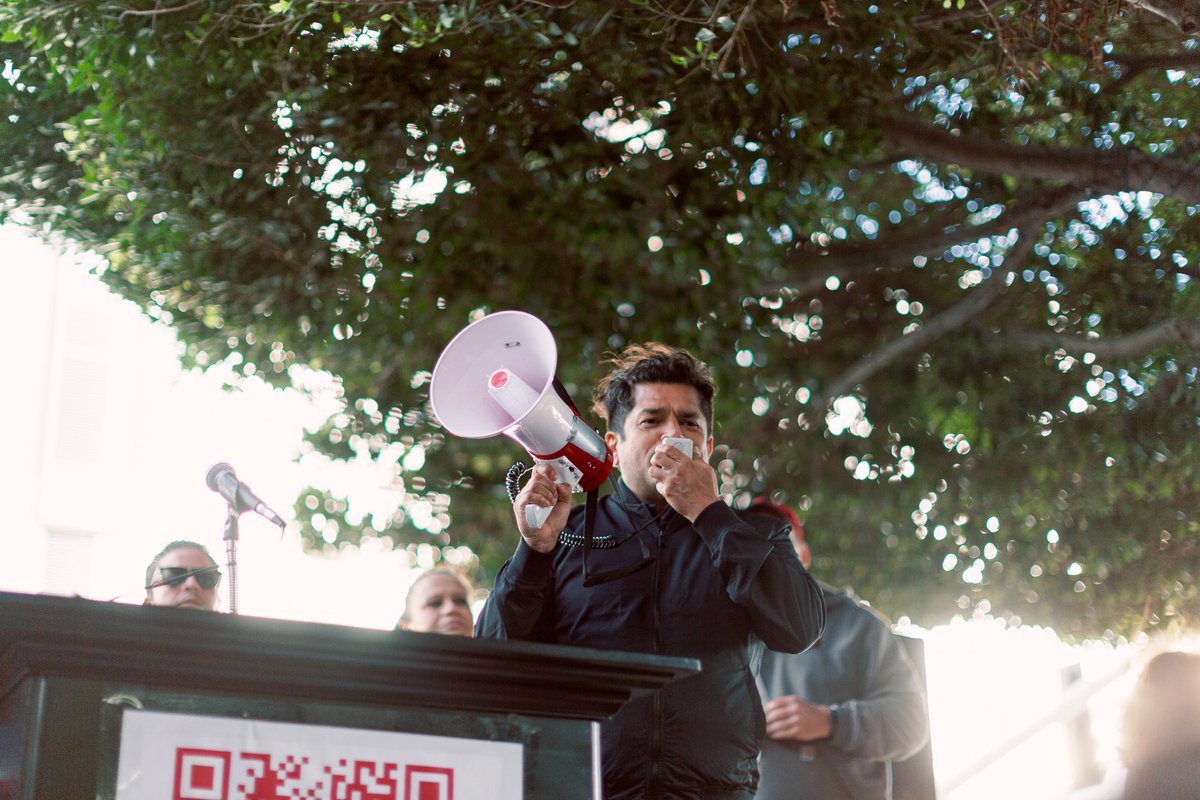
(651, 362)
(178, 544)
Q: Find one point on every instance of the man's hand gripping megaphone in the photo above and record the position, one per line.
(542, 507)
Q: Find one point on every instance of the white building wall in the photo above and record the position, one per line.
(107, 444)
(29, 275)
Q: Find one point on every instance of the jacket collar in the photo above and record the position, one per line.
(643, 512)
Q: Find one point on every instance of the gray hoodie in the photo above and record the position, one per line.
(859, 669)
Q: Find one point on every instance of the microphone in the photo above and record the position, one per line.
(222, 480)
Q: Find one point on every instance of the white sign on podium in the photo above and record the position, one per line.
(196, 757)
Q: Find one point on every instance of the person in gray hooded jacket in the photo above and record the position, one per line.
(841, 712)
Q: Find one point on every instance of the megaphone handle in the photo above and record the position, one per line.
(565, 472)
(536, 516)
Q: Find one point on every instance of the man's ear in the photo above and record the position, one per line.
(610, 441)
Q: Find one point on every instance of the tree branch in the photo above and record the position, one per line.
(133, 12)
(1133, 66)
(1178, 330)
(1101, 169)
(1184, 14)
(936, 237)
(951, 319)
(968, 11)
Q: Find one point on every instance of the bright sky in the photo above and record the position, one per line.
(149, 433)
(133, 474)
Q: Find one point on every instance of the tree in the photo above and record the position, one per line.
(940, 256)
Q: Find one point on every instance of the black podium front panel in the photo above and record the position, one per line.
(229, 707)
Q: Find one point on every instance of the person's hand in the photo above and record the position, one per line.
(790, 717)
(541, 490)
(689, 485)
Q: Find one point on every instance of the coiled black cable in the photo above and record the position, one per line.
(511, 479)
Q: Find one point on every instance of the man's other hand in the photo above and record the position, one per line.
(688, 484)
(542, 490)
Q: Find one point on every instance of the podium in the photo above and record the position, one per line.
(74, 673)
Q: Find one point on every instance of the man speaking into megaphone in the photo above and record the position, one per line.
(661, 565)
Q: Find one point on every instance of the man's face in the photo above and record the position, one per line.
(659, 409)
(439, 604)
(188, 593)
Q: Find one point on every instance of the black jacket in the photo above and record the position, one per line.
(715, 591)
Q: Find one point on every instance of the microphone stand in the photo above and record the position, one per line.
(231, 536)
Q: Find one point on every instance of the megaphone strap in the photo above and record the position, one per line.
(607, 540)
(589, 541)
(564, 395)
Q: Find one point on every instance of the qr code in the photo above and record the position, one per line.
(230, 775)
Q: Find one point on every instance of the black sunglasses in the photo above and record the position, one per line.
(207, 577)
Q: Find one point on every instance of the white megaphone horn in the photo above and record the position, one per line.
(497, 377)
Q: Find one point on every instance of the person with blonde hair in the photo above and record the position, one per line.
(439, 601)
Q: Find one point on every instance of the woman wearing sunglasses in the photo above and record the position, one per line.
(183, 575)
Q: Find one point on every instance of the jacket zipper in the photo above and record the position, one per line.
(656, 721)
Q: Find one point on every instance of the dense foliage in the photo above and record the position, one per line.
(941, 256)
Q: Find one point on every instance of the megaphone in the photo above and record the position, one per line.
(497, 377)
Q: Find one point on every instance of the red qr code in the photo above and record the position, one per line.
(201, 774)
(428, 783)
(223, 775)
(363, 780)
